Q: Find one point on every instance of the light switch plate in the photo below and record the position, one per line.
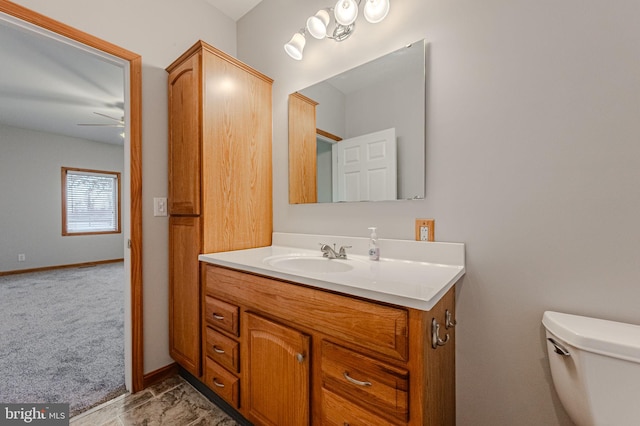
(159, 206)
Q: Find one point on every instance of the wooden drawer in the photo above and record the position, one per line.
(222, 382)
(374, 326)
(223, 350)
(376, 386)
(222, 315)
(337, 411)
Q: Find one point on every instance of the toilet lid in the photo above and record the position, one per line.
(615, 339)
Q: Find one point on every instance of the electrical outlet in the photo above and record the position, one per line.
(22, 257)
(425, 229)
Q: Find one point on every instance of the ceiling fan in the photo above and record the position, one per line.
(119, 122)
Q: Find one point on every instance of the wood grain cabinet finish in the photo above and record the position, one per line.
(184, 309)
(219, 176)
(223, 350)
(303, 176)
(310, 356)
(276, 380)
(222, 382)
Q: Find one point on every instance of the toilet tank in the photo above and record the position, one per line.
(598, 381)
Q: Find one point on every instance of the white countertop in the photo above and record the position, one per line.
(417, 280)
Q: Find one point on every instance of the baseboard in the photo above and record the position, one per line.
(51, 268)
(159, 375)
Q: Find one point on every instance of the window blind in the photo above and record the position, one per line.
(91, 202)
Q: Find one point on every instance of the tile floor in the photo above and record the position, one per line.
(171, 402)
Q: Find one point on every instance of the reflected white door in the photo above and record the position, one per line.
(366, 167)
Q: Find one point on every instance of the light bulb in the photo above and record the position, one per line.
(295, 46)
(346, 12)
(317, 24)
(376, 10)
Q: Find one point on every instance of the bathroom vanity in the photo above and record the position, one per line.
(292, 338)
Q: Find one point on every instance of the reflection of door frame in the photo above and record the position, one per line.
(135, 171)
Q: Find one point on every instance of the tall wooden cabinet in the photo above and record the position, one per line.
(220, 191)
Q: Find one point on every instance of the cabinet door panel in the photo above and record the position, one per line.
(236, 157)
(184, 138)
(184, 292)
(277, 373)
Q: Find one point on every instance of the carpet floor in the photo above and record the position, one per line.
(62, 336)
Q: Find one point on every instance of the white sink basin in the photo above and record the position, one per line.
(309, 264)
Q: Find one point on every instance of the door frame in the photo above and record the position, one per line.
(135, 172)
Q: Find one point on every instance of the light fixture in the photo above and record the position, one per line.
(317, 24)
(296, 45)
(376, 10)
(345, 14)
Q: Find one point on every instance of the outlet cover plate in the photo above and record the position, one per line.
(425, 229)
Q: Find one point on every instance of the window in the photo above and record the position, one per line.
(90, 202)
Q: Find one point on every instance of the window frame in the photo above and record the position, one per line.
(116, 175)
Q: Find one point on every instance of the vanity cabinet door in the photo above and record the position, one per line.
(276, 373)
(184, 292)
(184, 138)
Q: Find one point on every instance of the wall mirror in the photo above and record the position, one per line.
(360, 135)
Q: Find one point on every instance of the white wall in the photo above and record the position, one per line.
(30, 186)
(159, 31)
(533, 160)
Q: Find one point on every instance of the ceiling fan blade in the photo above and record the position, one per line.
(101, 125)
(120, 120)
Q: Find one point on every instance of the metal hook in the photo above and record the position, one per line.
(449, 322)
(435, 337)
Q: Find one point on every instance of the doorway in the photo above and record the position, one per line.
(132, 188)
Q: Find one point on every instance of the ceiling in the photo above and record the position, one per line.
(235, 9)
(57, 87)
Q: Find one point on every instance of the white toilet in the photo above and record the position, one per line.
(595, 365)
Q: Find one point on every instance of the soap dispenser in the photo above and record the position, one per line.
(374, 250)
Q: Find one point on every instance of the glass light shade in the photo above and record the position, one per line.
(317, 24)
(346, 12)
(295, 46)
(376, 10)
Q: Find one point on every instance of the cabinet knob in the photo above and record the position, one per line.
(300, 358)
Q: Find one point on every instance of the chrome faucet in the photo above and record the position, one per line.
(330, 253)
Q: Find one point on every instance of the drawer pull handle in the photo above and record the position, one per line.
(218, 350)
(218, 317)
(218, 384)
(354, 381)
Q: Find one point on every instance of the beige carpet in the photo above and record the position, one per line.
(61, 336)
